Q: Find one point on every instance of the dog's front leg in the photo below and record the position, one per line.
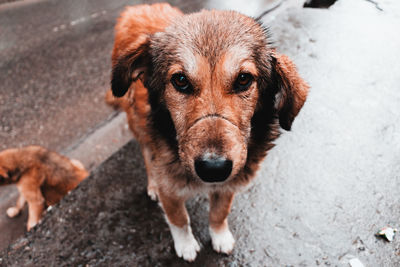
(220, 206)
(151, 183)
(35, 208)
(178, 220)
(30, 190)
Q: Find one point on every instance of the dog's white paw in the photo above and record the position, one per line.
(222, 241)
(152, 193)
(187, 249)
(185, 244)
(12, 212)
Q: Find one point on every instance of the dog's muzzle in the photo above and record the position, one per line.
(214, 168)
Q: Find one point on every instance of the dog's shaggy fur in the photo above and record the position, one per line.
(42, 178)
(203, 89)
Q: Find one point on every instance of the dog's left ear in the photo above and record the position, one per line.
(129, 67)
(292, 90)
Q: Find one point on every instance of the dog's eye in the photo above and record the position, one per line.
(243, 82)
(181, 83)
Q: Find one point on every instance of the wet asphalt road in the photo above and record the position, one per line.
(54, 68)
(322, 192)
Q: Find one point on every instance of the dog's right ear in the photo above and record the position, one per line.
(129, 67)
(131, 54)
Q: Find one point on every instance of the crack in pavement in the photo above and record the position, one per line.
(269, 10)
(376, 4)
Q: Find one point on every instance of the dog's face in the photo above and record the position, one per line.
(211, 89)
(210, 72)
(211, 106)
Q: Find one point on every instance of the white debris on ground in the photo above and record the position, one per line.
(388, 233)
(355, 262)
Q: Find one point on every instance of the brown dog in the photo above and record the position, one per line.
(42, 178)
(204, 94)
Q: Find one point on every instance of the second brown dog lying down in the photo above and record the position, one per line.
(42, 178)
(205, 94)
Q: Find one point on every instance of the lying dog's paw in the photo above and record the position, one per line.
(12, 212)
(186, 246)
(222, 241)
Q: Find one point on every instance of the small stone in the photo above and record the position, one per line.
(388, 233)
(355, 262)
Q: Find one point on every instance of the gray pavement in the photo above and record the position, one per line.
(322, 192)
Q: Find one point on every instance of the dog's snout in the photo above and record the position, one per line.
(213, 169)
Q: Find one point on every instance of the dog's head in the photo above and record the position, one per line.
(6, 174)
(213, 79)
(3, 175)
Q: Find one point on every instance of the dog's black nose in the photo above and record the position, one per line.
(213, 169)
